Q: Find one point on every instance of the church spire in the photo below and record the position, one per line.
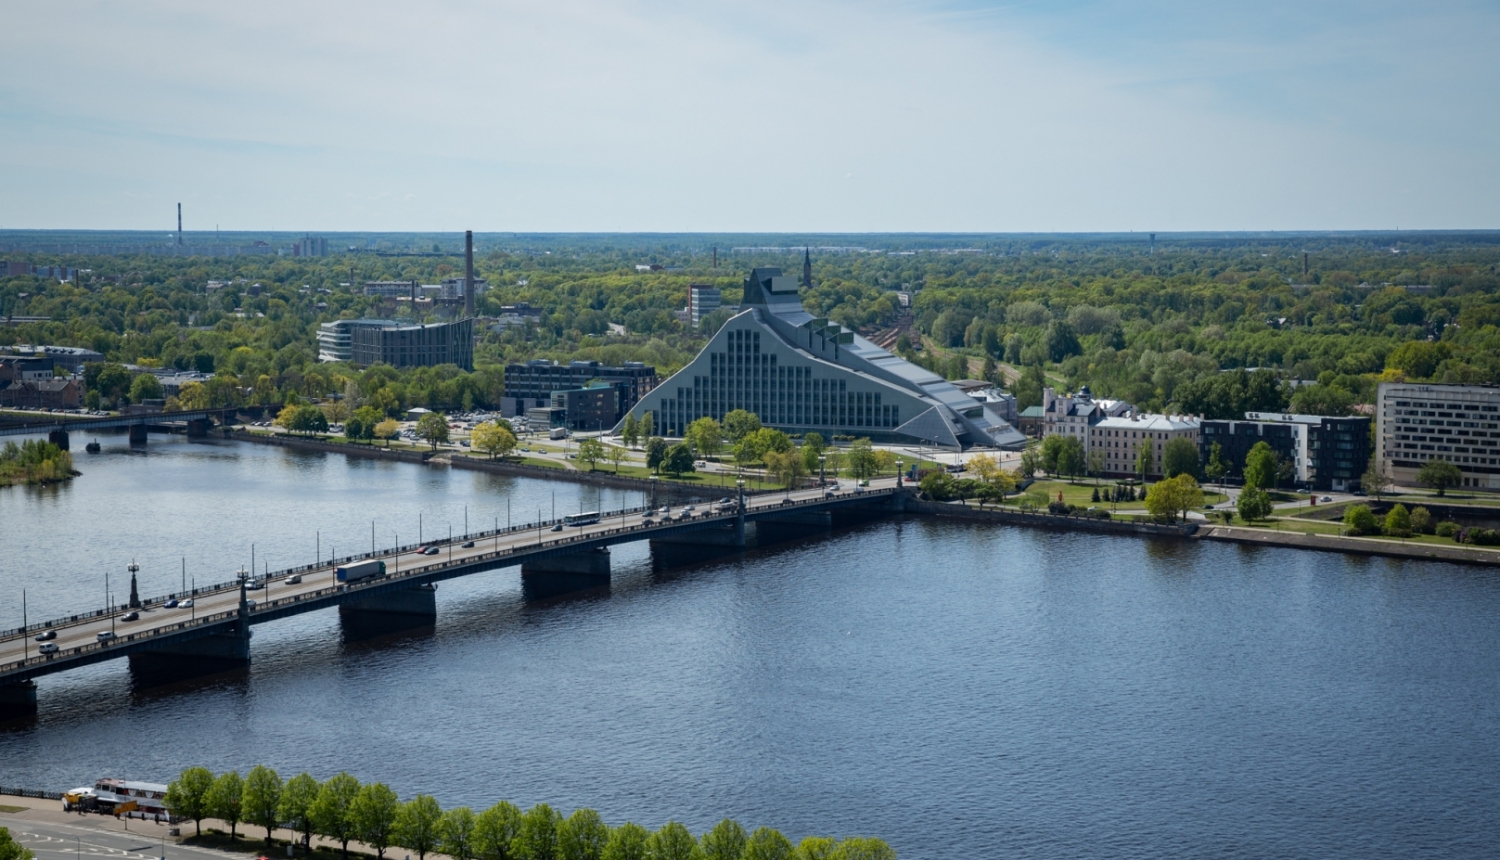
(806, 268)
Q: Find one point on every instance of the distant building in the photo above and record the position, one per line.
(1031, 421)
(1074, 414)
(455, 288)
(1328, 453)
(372, 341)
(29, 381)
(391, 289)
(531, 385)
(518, 314)
(70, 358)
(64, 274)
(310, 246)
(998, 401)
(1119, 440)
(702, 301)
(1458, 423)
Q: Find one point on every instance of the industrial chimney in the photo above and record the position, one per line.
(469, 272)
(1304, 267)
(179, 224)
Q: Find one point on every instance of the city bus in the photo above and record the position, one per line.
(587, 519)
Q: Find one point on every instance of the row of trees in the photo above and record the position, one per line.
(1065, 455)
(344, 811)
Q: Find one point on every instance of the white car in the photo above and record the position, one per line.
(48, 648)
(104, 635)
(186, 604)
(294, 579)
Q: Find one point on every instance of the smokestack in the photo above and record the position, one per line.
(1153, 244)
(179, 224)
(1304, 265)
(716, 256)
(469, 272)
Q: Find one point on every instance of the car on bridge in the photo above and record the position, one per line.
(46, 635)
(132, 615)
(429, 550)
(104, 635)
(186, 604)
(170, 604)
(48, 648)
(294, 579)
(468, 544)
(254, 585)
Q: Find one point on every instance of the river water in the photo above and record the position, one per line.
(960, 690)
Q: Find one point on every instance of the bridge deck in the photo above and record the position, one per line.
(217, 607)
(46, 423)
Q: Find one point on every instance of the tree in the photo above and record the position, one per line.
(673, 842)
(373, 813)
(1421, 520)
(145, 387)
(1439, 475)
(456, 833)
(433, 427)
(1317, 399)
(616, 454)
(417, 823)
(861, 459)
(648, 425)
(1171, 497)
(113, 382)
(1253, 504)
(387, 430)
(738, 424)
(706, 437)
(493, 439)
(224, 798)
(1051, 449)
(582, 836)
(187, 795)
(1180, 457)
(286, 418)
(627, 842)
(1062, 341)
(815, 848)
(1359, 520)
(1096, 464)
(1031, 461)
(590, 451)
(1144, 462)
(537, 837)
(495, 830)
(678, 459)
(630, 433)
(1397, 522)
(10, 849)
(1070, 459)
(786, 466)
(725, 842)
(1376, 480)
(1216, 468)
(309, 419)
(261, 800)
(295, 811)
(767, 844)
(337, 411)
(330, 812)
(862, 848)
(656, 452)
(1260, 467)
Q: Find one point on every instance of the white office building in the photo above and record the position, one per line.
(1417, 422)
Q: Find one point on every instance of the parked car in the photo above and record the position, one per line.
(48, 648)
(1326, 499)
(132, 615)
(104, 635)
(46, 635)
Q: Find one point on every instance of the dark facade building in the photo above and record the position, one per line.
(1328, 453)
(530, 385)
(367, 342)
(595, 407)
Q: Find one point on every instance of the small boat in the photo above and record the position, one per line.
(92, 447)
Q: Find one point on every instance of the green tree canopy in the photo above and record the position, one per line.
(495, 830)
(417, 825)
(1260, 467)
(433, 428)
(297, 798)
(726, 841)
(224, 800)
(262, 799)
(188, 795)
(536, 839)
(1439, 475)
(627, 842)
(373, 814)
(673, 842)
(330, 811)
(582, 836)
(1180, 457)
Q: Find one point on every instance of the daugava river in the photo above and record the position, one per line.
(961, 690)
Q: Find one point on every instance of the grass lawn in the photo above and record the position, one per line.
(1083, 494)
(4, 807)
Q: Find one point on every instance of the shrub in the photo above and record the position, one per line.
(1358, 520)
(1421, 520)
(1481, 537)
(1058, 508)
(1446, 529)
(1397, 522)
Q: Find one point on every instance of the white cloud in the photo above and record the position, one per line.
(584, 115)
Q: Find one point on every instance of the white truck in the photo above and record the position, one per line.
(359, 570)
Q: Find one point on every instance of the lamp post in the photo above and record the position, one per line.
(900, 475)
(653, 492)
(109, 603)
(822, 471)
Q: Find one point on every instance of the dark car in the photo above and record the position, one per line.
(46, 635)
(468, 544)
(132, 615)
(170, 604)
(557, 528)
(431, 550)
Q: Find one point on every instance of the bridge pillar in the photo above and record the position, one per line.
(389, 612)
(198, 428)
(699, 545)
(58, 438)
(791, 525)
(225, 650)
(555, 576)
(17, 701)
(138, 434)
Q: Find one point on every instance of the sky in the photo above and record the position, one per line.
(814, 115)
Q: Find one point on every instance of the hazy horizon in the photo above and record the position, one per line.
(824, 117)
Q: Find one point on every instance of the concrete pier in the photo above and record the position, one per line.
(225, 650)
(137, 434)
(17, 701)
(698, 546)
(58, 438)
(391, 612)
(792, 525)
(558, 575)
(198, 428)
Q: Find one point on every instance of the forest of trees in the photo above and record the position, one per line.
(1154, 329)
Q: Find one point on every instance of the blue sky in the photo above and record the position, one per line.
(776, 116)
